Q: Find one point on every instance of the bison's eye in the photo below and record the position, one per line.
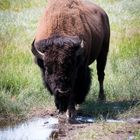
(49, 68)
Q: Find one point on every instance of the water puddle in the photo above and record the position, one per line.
(35, 129)
(86, 119)
(43, 128)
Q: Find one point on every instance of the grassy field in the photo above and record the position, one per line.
(21, 87)
(20, 82)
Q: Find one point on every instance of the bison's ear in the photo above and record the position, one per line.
(80, 50)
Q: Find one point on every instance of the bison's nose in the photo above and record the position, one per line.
(62, 92)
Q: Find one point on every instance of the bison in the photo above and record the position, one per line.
(70, 36)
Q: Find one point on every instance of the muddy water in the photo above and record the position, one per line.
(35, 129)
(43, 128)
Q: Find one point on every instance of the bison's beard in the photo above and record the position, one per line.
(62, 102)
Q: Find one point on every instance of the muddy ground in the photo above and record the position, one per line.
(98, 130)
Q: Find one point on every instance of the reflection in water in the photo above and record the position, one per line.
(35, 129)
(84, 119)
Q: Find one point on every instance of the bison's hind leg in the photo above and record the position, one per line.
(101, 63)
(82, 85)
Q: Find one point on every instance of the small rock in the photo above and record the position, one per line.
(46, 122)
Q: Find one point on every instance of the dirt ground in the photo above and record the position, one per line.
(99, 130)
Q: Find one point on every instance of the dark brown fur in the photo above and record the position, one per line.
(60, 32)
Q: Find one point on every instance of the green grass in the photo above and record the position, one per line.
(21, 86)
(137, 135)
(18, 5)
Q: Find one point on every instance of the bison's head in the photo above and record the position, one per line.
(62, 57)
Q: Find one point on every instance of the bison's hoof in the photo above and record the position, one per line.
(71, 113)
(102, 98)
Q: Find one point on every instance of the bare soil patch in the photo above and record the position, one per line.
(100, 130)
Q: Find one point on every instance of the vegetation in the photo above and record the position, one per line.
(20, 81)
(21, 86)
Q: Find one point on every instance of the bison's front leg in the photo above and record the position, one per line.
(71, 108)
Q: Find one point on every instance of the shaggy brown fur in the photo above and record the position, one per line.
(63, 19)
(75, 18)
(64, 63)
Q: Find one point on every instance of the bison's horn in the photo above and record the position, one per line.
(81, 49)
(37, 53)
(82, 44)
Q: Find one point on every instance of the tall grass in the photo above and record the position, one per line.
(20, 80)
